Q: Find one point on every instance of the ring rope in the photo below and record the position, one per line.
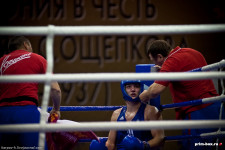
(178, 137)
(106, 126)
(195, 102)
(210, 67)
(113, 77)
(203, 135)
(114, 30)
(222, 83)
(47, 85)
(87, 108)
(167, 106)
(85, 77)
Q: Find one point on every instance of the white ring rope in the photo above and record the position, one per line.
(114, 30)
(213, 134)
(220, 98)
(106, 126)
(47, 85)
(102, 77)
(214, 66)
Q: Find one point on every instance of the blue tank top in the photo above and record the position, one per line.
(143, 135)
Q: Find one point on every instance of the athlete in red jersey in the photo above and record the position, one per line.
(181, 60)
(19, 101)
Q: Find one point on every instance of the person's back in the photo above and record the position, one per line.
(20, 62)
(182, 60)
(186, 59)
(19, 101)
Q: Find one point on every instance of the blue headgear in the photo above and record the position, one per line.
(125, 95)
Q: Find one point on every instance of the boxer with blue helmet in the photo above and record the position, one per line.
(134, 110)
(123, 89)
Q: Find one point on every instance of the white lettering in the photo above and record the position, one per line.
(6, 64)
(206, 144)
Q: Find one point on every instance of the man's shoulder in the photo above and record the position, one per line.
(38, 57)
(150, 107)
(151, 111)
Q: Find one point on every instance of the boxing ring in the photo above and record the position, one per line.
(50, 31)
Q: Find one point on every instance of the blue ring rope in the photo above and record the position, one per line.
(110, 108)
(185, 137)
(87, 108)
(210, 67)
(196, 70)
(181, 104)
(171, 138)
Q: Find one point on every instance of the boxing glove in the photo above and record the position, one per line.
(132, 143)
(95, 145)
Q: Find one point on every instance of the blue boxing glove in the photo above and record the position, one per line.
(133, 143)
(95, 145)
